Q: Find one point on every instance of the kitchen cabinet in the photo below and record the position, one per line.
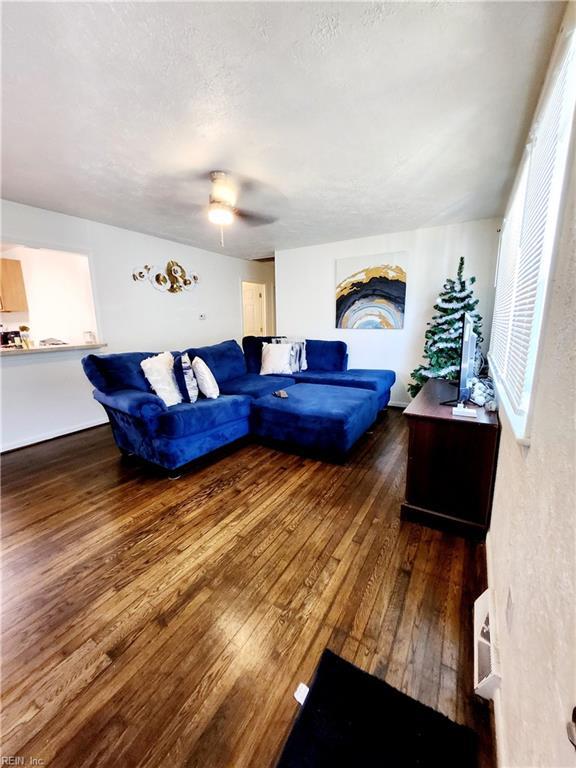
(12, 288)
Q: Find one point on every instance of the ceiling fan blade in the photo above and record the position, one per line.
(173, 203)
(254, 219)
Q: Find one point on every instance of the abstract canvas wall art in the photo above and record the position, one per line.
(370, 297)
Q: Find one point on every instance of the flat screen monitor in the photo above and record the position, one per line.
(468, 359)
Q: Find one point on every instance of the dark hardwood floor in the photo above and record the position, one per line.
(150, 622)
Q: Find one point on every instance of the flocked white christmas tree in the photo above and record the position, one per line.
(444, 335)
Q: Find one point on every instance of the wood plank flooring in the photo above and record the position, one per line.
(152, 622)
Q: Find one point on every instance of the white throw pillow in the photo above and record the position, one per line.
(189, 378)
(159, 370)
(276, 359)
(298, 360)
(205, 378)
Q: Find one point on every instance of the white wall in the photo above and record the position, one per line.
(306, 282)
(59, 293)
(532, 543)
(45, 395)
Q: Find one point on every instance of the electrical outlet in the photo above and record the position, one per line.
(202, 316)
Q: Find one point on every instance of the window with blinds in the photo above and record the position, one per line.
(528, 240)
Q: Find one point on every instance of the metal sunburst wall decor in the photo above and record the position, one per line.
(173, 278)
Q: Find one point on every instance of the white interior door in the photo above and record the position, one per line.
(254, 308)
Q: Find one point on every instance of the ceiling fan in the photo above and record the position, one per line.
(223, 210)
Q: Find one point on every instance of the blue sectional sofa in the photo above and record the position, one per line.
(174, 436)
(327, 364)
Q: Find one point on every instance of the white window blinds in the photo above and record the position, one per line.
(528, 240)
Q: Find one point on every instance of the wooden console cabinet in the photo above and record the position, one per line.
(451, 463)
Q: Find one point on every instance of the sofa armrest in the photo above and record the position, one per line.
(131, 402)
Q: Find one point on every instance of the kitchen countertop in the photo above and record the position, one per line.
(7, 352)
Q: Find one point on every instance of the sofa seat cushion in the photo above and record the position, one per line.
(324, 418)
(385, 377)
(380, 381)
(225, 360)
(201, 416)
(255, 385)
(385, 381)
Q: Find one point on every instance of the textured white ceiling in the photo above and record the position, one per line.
(358, 118)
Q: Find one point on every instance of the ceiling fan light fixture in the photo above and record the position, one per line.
(220, 213)
(224, 190)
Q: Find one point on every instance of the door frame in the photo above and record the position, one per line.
(264, 304)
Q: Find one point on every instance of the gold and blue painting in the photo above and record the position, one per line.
(369, 296)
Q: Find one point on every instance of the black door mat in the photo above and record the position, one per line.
(353, 719)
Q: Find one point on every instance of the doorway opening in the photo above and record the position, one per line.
(254, 309)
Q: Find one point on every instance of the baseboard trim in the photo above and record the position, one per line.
(13, 446)
(398, 404)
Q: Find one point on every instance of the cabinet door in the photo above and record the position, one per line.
(12, 289)
(450, 468)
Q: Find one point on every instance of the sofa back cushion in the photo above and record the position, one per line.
(326, 355)
(225, 360)
(252, 346)
(110, 373)
(320, 355)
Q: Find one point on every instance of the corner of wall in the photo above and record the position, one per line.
(495, 620)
